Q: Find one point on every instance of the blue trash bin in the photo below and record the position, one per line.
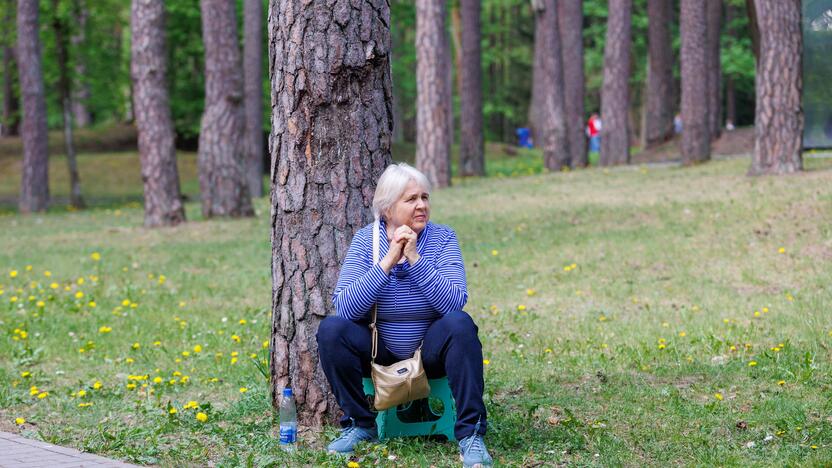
(524, 137)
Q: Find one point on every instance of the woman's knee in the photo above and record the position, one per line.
(460, 324)
(331, 329)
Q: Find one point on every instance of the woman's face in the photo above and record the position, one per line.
(411, 209)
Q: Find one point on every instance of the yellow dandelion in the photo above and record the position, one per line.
(13, 299)
(265, 344)
(235, 338)
(157, 380)
(19, 421)
(493, 253)
(125, 302)
(136, 345)
(242, 322)
(85, 404)
(25, 374)
(33, 390)
(756, 313)
(41, 304)
(157, 343)
(530, 292)
(181, 304)
(243, 389)
(718, 396)
(662, 346)
(80, 281)
(521, 307)
(79, 294)
(233, 360)
(104, 329)
(186, 353)
(47, 273)
(547, 350)
(752, 363)
(95, 256)
(197, 349)
(97, 385)
(92, 304)
(353, 464)
(765, 310)
(13, 274)
(201, 417)
(486, 361)
(602, 318)
(682, 334)
(162, 279)
(172, 411)
(43, 395)
(129, 360)
(781, 382)
(781, 250)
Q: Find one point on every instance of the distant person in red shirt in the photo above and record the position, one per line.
(593, 131)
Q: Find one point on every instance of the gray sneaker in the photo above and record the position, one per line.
(350, 437)
(473, 453)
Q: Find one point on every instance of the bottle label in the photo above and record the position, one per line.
(288, 434)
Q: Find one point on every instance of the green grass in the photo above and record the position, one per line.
(616, 360)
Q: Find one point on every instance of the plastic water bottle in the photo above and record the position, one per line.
(288, 421)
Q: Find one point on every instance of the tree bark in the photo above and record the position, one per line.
(253, 75)
(432, 143)
(331, 130)
(65, 91)
(696, 141)
(570, 25)
(615, 92)
(81, 92)
(471, 147)
(148, 68)
(10, 125)
(551, 122)
(658, 119)
(34, 184)
(778, 120)
(713, 10)
(222, 183)
(753, 27)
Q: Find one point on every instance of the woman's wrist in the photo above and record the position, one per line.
(412, 259)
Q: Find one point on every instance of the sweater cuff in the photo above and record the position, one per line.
(378, 277)
(419, 271)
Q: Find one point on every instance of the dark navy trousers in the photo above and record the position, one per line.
(450, 348)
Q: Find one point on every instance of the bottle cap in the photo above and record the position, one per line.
(287, 391)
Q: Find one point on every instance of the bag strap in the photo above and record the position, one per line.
(376, 241)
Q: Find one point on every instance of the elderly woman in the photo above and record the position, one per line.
(419, 289)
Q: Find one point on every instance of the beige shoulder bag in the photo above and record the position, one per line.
(402, 381)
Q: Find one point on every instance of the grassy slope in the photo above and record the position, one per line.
(621, 356)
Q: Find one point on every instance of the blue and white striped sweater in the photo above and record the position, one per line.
(410, 298)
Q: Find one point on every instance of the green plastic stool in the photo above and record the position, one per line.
(389, 424)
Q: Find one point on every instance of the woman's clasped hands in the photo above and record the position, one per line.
(402, 246)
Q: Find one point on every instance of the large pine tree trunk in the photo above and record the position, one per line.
(551, 124)
(615, 93)
(222, 183)
(658, 119)
(696, 140)
(331, 132)
(65, 91)
(81, 91)
(433, 144)
(471, 150)
(713, 10)
(10, 124)
(34, 184)
(570, 26)
(148, 66)
(778, 120)
(253, 75)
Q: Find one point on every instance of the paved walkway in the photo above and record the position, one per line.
(18, 452)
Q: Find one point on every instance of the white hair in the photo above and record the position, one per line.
(391, 185)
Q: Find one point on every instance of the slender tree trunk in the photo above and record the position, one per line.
(432, 143)
(730, 101)
(222, 182)
(535, 103)
(713, 10)
(471, 148)
(148, 68)
(753, 27)
(551, 122)
(658, 118)
(570, 25)
(253, 75)
(615, 93)
(34, 185)
(447, 66)
(331, 131)
(696, 141)
(65, 91)
(778, 121)
(10, 125)
(81, 92)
